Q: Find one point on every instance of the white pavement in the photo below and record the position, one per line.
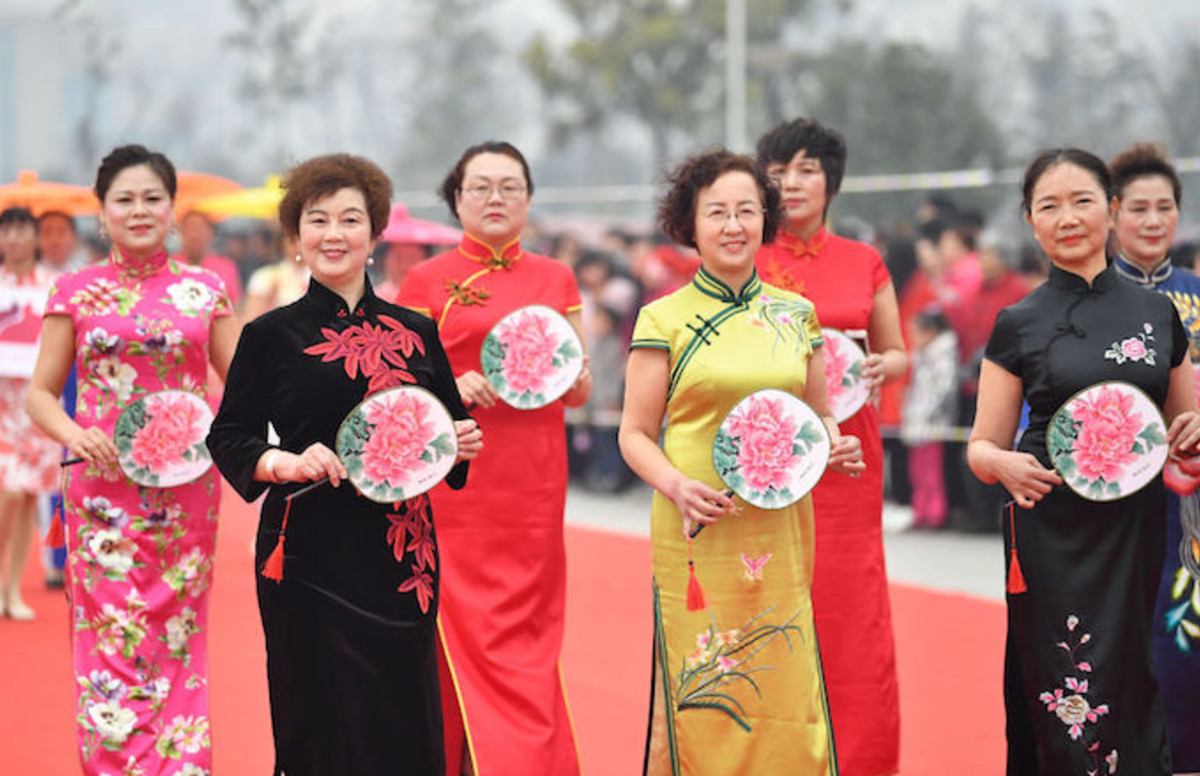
(971, 564)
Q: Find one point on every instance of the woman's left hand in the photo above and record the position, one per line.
(1184, 434)
(845, 456)
(873, 374)
(470, 439)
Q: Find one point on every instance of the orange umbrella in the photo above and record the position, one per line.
(44, 196)
(195, 186)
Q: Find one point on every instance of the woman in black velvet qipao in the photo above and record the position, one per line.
(350, 615)
(1080, 693)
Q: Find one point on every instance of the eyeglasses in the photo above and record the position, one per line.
(742, 215)
(483, 192)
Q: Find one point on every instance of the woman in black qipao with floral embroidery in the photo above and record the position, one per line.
(1080, 696)
(350, 617)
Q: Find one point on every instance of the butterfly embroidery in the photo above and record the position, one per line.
(754, 566)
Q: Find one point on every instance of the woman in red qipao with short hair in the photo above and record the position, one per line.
(852, 290)
(502, 551)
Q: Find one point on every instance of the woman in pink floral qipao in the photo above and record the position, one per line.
(139, 562)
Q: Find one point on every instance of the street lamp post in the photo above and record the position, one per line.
(735, 75)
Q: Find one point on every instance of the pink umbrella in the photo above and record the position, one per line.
(403, 228)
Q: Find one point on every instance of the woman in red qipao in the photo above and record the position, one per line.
(503, 557)
(852, 290)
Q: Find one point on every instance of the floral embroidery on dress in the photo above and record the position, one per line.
(1136, 348)
(1072, 707)
(411, 534)
(782, 317)
(466, 295)
(378, 352)
(1182, 619)
(721, 665)
(753, 566)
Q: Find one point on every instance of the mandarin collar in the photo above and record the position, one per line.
(1137, 274)
(477, 250)
(710, 285)
(801, 248)
(137, 269)
(1069, 281)
(333, 305)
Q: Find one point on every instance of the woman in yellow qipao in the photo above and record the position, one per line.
(737, 679)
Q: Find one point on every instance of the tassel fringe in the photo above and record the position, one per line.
(695, 593)
(1016, 578)
(273, 568)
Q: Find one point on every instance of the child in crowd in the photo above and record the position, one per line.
(929, 412)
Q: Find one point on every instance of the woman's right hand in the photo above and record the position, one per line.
(94, 446)
(1024, 477)
(475, 390)
(698, 503)
(315, 463)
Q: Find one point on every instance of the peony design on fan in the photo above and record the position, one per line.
(531, 357)
(160, 438)
(394, 444)
(761, 446)
(1108, 441)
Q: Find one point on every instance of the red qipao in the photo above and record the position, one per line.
(501, 540)
(850, 593)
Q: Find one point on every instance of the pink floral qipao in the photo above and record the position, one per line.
(139, 563)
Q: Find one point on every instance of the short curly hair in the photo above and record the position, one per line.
(677, 209)
(454, 179)
(1143, 160)
(322, 176)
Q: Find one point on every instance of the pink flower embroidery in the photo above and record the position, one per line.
(767, 451)
(1133, 349)
(753, 571)
(401, 430)
(1072, 707)
(175, 424)
(1107, 432)
(528, 352)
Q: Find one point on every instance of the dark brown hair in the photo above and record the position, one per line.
(816, 140)
(454, 179)
(126, 156)
(18, 215)
(1144, 160)
(677, 209)
(1050, 158)
(322, 176)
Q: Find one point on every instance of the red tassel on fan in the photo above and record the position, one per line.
(273, 568)
(56, 537)
(695, 593)
(1016, 579)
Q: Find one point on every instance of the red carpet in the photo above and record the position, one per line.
(949, 651)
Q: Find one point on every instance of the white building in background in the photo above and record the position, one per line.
(42, 96)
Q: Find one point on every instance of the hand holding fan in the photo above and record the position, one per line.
(770, 450)
(1107, 441)
(395, 444)
(160, 439)
(531, 357)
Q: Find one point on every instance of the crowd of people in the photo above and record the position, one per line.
(424, 634)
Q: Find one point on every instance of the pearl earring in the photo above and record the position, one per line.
(299, 258)
(370, 261)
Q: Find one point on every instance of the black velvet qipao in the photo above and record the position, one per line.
(1080, 693)
(351, 628)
